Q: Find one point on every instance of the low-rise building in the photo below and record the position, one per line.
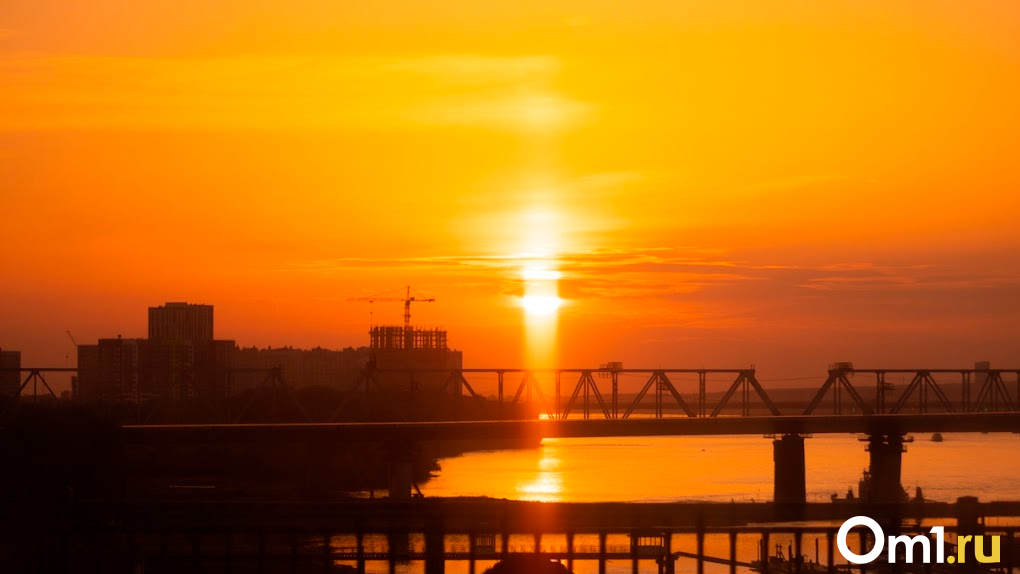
(338, 369)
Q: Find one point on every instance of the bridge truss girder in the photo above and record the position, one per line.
(994, 393)
(529, 390)
(662, 385)
(587, 397)
(587, 388)
(922, 383)
(745, 382)
(838, 382)
(455, 384)
(35, 376)
(274, 381)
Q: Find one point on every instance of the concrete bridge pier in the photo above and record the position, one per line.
(401, 470)
(435, 548)
(570, 551)
(472, 551)
(790, 482)
(602, 552)
(886, 462)
(969, 522)
(360, 560)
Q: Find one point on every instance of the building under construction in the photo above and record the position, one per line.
(403, 348)
(410, 339)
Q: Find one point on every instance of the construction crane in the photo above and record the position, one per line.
(407, 300)
(74, 342)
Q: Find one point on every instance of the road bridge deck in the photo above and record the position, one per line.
(679, 426)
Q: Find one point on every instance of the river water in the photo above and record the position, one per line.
(721, 469)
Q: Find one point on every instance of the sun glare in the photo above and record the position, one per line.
(541, 305)
(540, 278)
(540, 274)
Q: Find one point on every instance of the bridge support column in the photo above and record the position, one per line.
(401, 481)
(969, 523)
(790, 484)
(399, 544)
(667, 562)
(435, 547)
(401, 470)
(886, 462)
(602, 552)
(570, 551)
(472, 551)
(968, 515)
(360, 560)
(634, 539)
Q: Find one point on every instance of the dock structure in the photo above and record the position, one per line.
(100, 536)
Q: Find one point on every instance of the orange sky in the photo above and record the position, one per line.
(704, 184)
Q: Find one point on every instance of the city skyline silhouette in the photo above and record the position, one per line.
(714, 185)
(589, 287)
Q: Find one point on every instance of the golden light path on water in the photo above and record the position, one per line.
(541, 304)
(547, 485)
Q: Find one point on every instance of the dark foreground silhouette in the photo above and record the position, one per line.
(527, 564)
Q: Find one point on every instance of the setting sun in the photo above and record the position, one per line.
(541, 305)
(506, 287)
(689, 174)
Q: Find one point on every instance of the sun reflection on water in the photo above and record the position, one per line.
(547, 483)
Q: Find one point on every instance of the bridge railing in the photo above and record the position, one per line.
(617, 393)
(600, 393)
(918, 390)
(560, 393)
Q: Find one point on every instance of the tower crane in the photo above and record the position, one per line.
(407, 300)
(73, 342)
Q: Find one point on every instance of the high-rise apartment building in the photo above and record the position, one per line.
(179, 360)
(87, 386)
(111, 371)
(181, 322)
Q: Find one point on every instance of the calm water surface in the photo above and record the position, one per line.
(647, 469)
(657, 469)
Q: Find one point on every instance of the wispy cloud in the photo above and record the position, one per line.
(688, 272)
(569, 261)
(474, 70)
(313, 91)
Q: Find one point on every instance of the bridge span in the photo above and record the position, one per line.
(886, 437)
(588, 393)
(897, 424)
